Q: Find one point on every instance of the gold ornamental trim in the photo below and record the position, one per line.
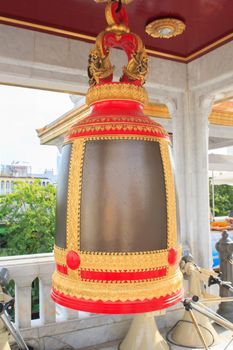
(119, 261)
(75, 189)
(157, 111)
(165, 28)
(100, 68)
(116, 91)
(221, 118)
(118, 137)
(62, 125)
(72, 284)
(60, 255)
(74, 194)
(117, 291)
(113, 124)
(112, 25)
(170, 195)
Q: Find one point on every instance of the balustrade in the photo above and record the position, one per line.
(58, 326)
(23, 270)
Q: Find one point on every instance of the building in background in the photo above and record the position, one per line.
(21, 171)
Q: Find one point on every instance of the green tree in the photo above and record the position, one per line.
(223, 198)
(28, 215)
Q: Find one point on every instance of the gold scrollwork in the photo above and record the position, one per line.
(117, 291)
(73, 285)
(170, 195)
(137, 261)
(165, 28)
(118, 137)
(74, 194)
(99, 65)
(122, 91)
(75, 182)
(137, 67)
(116, 261)
(111, 127)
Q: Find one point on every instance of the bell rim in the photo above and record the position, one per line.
(117, 307)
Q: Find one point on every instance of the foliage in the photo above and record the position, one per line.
(223, 198)
(35, 306)
(27, 219)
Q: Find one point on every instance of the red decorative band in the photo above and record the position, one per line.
(123, 276)
(117, 307)
(62, 269)
(117, 118)
(90, 133)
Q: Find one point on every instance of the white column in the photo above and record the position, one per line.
(47, 305)
(203, 108)
(190, 134)
(176, 111)
(23, 287)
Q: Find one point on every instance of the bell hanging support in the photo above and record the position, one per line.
(116, 245)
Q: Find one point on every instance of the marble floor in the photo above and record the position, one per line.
(226, 343)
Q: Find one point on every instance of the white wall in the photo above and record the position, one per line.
(42, 60)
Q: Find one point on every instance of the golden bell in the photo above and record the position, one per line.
(116, 245)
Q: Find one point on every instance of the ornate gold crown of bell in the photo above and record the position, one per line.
(116, 246)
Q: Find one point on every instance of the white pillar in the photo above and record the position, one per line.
(190, 140)
(202, 166)
(47, 305)
(176, 111)
(23, 288)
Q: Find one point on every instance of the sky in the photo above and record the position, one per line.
(22, 111)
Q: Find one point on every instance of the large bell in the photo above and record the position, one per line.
(116, 245)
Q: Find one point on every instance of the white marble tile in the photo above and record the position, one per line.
(13, 46)
(226, 336)
(211, 68)
(87, 337)
(78, 54)
(51, 49)
(167, 74)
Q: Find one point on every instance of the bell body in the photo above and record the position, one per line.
(116, 248)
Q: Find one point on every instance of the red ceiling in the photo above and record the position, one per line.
(206, 21)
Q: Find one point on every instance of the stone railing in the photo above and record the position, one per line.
(57, 326)
(23, 271)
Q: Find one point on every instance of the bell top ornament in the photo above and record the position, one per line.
(116, 247)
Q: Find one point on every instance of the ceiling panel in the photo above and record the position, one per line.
(208, 22)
